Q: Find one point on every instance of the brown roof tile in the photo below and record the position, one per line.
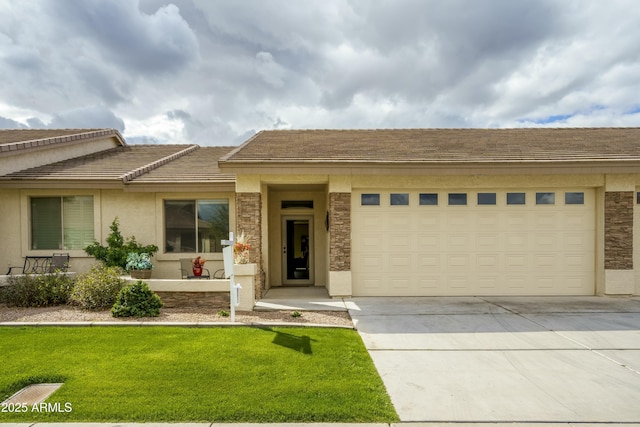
(439, 145)
(22, 139)
(198, 166)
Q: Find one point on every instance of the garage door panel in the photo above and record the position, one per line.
(517, 241)
(488, 242)
(430, 284)
(430, 260)
(459, 242)
(474, 249)
(545, 220)
(577, 221)
(429, 241)
(401, 241)
(458, 219)
(460, 285)
(546, 241)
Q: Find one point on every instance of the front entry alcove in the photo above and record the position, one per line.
(297, 236)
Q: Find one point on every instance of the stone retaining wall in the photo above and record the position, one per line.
(217, 300)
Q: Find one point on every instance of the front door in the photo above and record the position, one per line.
(297, 250)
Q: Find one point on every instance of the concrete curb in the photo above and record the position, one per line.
(140, 323)
(412, 424)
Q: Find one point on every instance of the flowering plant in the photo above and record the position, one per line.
(198, 262)
(241, 249)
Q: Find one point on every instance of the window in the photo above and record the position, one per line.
(399, 199)
(545, 198)
(195, 225)
(486, 198)
(61, 222)
(370, 199)
(574, 198)
(428, 199)
(638, 198)
(291, 204)
(516, 198)
(458, 199)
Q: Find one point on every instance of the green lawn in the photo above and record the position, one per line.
(235, 374)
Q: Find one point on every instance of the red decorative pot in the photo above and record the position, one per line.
(197, 271)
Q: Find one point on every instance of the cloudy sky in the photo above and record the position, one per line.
(214, 72)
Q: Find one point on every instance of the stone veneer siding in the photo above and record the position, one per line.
(618, 230)
(339, 231)
(249, 220)
(195, 299)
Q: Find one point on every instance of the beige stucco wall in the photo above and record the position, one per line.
(140, 214)
(11, 246)
(636, 244)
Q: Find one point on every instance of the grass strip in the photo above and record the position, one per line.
(172, 374)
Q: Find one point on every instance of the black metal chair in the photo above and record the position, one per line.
(59, 262)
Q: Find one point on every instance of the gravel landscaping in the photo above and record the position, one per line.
(73, 314)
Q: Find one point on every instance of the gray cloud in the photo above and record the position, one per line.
(89, 117)
(6, 123)
(139, 42)
(206, 72)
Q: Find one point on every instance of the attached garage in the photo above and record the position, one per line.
(480, 242)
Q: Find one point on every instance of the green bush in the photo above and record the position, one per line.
(37, 290)
(97, 288)
(117, 249)
(137, 300)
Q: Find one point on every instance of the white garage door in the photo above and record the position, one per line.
(473, 242)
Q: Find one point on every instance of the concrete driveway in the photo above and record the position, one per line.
(506, 359)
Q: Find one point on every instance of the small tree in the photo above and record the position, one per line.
(117, 249)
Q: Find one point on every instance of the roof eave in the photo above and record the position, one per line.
(368, 167)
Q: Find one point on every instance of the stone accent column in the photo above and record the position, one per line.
(618, 242)
(339, 231)
(339, 244)
(249, 220)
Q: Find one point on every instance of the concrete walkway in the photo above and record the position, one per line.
(302, 298)
(518, 359)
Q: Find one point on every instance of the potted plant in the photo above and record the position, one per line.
(241, 249)
(198, 263)
(139, 265)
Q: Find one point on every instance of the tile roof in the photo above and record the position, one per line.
(438, 146)
(134, 163)
(198, 166)
(22, 139)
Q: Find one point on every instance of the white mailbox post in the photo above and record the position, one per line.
(234, 288)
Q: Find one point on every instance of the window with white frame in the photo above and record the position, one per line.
(61, 222)
(195, 226)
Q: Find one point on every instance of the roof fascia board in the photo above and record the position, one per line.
(62, 184)
(180, 187)
(440, 168)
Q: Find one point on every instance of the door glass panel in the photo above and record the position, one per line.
(297, 249)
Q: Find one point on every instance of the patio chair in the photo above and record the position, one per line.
(59, 262)
(186, 268)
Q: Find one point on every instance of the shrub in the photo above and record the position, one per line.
(117, 249)
(98, 288)
(138, 261)
(137, 300)
(37, 290)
